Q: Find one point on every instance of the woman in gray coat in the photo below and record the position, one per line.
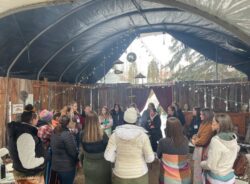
(64, 152)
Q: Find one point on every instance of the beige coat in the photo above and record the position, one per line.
(129, 148)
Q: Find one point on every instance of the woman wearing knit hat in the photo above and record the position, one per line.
(44, 127)
(129, 148)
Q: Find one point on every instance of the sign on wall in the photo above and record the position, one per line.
(17, 108)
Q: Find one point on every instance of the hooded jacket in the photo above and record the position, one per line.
(129, 147)
(222, 153)
(26, 149)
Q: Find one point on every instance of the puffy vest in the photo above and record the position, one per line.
(15, 129)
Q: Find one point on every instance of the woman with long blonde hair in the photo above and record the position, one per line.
(106, 120)
(94, 141)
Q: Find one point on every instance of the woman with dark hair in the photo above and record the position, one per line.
(179, 113)
(154, 128)
(222, 152)
(173, 151)
(76, 122)
(26, 149)
(94, 141)
(117, 115)
(145, 118)
(171, 111)
(201, 141)
(195, 124)
(64, 152)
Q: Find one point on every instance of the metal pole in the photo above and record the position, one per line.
(216, 61)
(91, 97)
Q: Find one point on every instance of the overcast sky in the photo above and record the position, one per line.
(148, 47)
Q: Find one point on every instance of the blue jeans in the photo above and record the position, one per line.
(67, 177)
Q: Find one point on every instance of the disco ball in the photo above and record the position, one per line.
(131, 57)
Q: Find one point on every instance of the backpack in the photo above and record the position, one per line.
(240, 165)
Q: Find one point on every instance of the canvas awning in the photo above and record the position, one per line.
(80, 41)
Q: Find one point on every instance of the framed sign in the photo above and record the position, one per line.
(17, 108)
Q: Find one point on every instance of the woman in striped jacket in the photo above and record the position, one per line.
(173, 151)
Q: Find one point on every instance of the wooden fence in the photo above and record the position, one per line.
(222, 97)
(229, 96)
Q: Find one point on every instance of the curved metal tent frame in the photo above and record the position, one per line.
(69, 42)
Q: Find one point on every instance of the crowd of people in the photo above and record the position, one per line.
(116, 146)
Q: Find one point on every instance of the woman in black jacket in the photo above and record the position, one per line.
(94, 142)
(26, 148)
(64, 152)
(154, 128)
(195, 124)
(117, 115)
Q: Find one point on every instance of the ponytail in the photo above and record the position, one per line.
(62, 125)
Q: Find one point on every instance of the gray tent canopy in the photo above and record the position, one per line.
(79, 42)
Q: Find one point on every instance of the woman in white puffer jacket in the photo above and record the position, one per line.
(222, 152)
(129, 148)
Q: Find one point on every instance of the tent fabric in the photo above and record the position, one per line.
(235, 13)
(80, 41)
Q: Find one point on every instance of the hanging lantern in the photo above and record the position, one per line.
(118, 71)
(118, 67)
(118, 62)
(140, 76)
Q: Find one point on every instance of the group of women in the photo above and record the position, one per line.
(41, 145)
(95, 142)
(216, 149)
(211, 133)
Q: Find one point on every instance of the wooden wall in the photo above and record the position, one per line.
(3, 110)
(109, 95)
(54, 96)
(49, 95)
(218, 96)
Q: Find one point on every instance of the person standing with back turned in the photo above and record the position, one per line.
(129, 148)
(94, 142)
(64, 152)
(173, 152)
(222, 152)
(26, 149)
